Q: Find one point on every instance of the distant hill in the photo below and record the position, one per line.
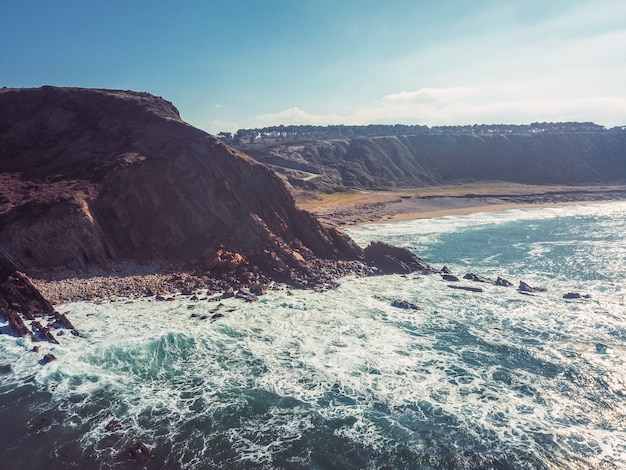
(381, 157)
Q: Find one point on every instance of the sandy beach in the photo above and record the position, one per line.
(355, 208)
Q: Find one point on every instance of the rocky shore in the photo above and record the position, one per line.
(66, 287)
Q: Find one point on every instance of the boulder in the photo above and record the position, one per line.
(404, 304)
(503, 282)
(450, 277)
(113, 425)
(523, 287)
(49, 358)
(576, 295)
(140, 452)
(478, 278)
(389, 259)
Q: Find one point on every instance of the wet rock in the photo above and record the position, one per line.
(228, 293)
(576, 295)
(391, 259)
(35, 349)
(467, 288)
(404, 304)
(572, 295)
(48, 358)
(478, 278)
(500, 281)
(215, 316)
(113, 425)
(44, 332)
(523, 287)
(140, 452)
(450, 277)
(445, 270)
(5, 368)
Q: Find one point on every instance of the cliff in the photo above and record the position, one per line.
(565, 155)
(92, 179)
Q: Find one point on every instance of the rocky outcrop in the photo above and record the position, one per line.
(21, 302)
(389, 259)
(92, 179)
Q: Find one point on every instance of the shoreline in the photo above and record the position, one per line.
(371, 207)
(336, 210)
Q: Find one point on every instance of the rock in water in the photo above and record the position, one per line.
(391, 259)
(523, 287)
(404, 304)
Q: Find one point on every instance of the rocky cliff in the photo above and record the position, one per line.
(91, 179)
(432, 157)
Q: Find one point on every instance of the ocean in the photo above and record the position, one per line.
(343, 379)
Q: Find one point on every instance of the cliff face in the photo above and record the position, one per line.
(92, 178)
(425, 159)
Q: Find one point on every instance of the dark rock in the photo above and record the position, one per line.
(467, 288)
(5, 368)
(228, 293)
(160, 298)
(113, 425)
(572, 295)
(44, 332)
(478, 278)
(523, 287)
(601, 348)
(215, 316)
(391, 259)
(445, 270)
(404, 304)
(450, 277)
(35, 349)
(49, 358)
(140, 452)
(194, 298)
(576, 295)
(503, 282)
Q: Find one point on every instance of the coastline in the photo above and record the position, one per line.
(366, 207)
(336, 210)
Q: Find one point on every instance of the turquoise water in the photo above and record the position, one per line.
(342, 379)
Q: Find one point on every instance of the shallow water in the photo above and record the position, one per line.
(342, 379)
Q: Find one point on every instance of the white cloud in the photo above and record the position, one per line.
(428, 95)
(513, 103)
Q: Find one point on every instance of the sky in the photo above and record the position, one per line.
(237, 64)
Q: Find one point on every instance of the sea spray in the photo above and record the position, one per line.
(344, 379)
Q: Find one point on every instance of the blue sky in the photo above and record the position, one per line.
(241, 64)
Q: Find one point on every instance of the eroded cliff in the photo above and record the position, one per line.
(435, 157)
(90, 179)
